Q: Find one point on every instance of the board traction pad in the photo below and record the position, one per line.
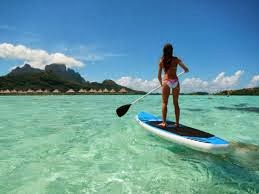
(182, 130)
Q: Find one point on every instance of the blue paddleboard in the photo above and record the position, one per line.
(184, 135)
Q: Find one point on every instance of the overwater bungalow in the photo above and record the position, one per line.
(46, 91)
(39, 91)
(30, 91)
(92, 91)
(123, 90)
(6, 91)
(105, 91)
(56, 91)
(13, 91)
(81, 91)
(100, 91)
(70, 91)
(112, 91)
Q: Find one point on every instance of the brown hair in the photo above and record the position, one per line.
(167, 55)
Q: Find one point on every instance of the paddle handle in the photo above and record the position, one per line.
(153, 90)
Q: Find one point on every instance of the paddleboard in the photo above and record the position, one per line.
(183, 135)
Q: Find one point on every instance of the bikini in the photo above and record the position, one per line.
(172, 83)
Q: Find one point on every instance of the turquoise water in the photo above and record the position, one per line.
(76, 144)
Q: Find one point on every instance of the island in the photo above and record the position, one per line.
(245, 91)
(55, 79)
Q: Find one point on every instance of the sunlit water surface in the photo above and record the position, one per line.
(77, 144)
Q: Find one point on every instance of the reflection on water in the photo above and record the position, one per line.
(247, 154)
(241, 105)
(247, 109)
(194, 109)
(236, 169)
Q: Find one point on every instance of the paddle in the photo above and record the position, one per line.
(122, 110)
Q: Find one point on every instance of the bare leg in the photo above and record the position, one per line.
(165, 95)
(176, 92)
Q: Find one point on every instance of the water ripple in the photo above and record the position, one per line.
(76, 144)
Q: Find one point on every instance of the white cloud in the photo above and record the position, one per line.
(36, 57)
(221, 82)
(254, 81)
(194, 85)
(138, 83)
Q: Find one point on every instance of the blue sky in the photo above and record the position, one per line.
(122, 40)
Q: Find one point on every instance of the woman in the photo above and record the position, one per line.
(169, 63)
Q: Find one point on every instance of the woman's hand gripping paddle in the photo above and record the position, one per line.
(122, 110)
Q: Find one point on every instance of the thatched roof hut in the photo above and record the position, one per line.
(6, 91)
(13, 91)
(105, 90)
(81, 91)
(21, 92)
(112, 91)
(39, 91)
(100, 91)
(46, 91)
(56, 91)
(123, 90)
(92, 91)
(30, 91)
(70, 91)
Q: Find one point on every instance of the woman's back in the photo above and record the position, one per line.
(170, 68)
(169, 64)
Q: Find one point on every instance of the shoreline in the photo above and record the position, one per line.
(104, 94)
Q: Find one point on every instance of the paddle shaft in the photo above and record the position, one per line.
(152, 91)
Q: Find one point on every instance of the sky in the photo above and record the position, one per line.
(122, 40)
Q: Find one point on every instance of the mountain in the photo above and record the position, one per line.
(55, 76)
(60, 70)
(26, 69)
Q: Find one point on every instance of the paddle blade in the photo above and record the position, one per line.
(122, 110)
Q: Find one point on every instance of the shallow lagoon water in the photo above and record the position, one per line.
(77, 144)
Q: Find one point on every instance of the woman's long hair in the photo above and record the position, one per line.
(167, 56)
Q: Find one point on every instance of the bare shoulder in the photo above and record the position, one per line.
(177, 59)
(160, 63)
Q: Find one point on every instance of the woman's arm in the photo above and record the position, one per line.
(159, 76)
(185, 68)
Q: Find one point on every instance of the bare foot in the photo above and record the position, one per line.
(163, 124)
(176, 125)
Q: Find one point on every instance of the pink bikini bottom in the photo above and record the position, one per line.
(172, 83)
